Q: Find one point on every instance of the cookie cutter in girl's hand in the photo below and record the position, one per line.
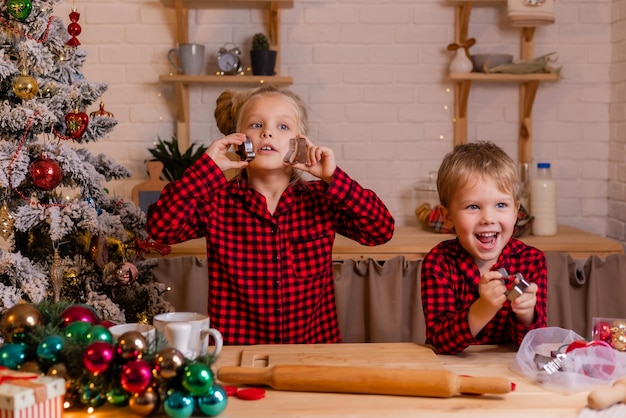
(297, 151)
(245, 151)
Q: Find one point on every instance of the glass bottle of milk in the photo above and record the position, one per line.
(543, 201)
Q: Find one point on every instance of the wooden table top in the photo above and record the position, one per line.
(527, 400)
(414, 243)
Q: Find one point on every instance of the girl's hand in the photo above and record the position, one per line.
(524, 305)
(219, 148)
(320, 162)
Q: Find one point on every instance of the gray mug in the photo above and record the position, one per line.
(187, 58)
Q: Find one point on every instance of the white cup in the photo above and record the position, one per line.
(148, 331)
(187, 58)
(188, 332)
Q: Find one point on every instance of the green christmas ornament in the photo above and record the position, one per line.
(98, 333)
(197, 378)
(214, 403)
(91, 395)
(49, 349)
(118, 397)
(13, 355)
(19, 9)
(178, 405)
(75, 331)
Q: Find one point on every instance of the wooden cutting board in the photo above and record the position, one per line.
(389, 355)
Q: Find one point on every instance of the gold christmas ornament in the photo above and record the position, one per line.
(58, 370)
(127, 273)
(168, 362)
(25, 87)
(31, 367)
(6, 221)
(56, 275)
(18, 320)
(146, 403)
(131, 345)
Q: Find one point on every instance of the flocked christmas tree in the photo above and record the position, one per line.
(68, 238)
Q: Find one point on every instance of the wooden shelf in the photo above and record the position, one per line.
(414, 243)
(528, 83)
(225, 4)
(182, 82)
(225, 79)
(503, 78)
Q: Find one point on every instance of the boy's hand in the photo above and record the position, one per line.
(320, 162)
(524, 305)
(491, 289)
(219, 148)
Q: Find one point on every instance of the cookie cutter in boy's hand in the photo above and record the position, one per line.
(297, 151)
(245, 150)
(516, 289)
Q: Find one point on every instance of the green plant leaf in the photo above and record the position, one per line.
(175, 163)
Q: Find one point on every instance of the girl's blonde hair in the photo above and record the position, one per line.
(231, 107)
(483, 159)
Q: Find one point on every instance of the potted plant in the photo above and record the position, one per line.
(262, 58)
(175, 162)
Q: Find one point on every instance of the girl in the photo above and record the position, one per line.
(269, 233)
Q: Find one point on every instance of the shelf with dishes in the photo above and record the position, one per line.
(528, 83)
(183, 82)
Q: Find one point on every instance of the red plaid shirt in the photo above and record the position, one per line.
(270, 276)
(450, 280)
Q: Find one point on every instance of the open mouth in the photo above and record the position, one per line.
(487, 238)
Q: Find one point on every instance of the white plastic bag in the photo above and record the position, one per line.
(582, 369)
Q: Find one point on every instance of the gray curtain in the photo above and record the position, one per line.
(187, 279)
(381, 301)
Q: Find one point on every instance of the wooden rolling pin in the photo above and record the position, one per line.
(380, 381)
(605, 397)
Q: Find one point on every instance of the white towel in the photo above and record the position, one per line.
(530, 13)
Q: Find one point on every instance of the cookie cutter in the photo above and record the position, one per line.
(297, 151)
(245, 151)
(516, 289)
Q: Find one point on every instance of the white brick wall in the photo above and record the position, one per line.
(373, 74)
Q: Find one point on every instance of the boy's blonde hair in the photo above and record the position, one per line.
(231, 107)
(483, 159)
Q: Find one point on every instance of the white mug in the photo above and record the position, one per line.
(147, 330)
(188, 332)
(187, 58)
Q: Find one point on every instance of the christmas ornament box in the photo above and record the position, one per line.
(611, 330)
(41, 397)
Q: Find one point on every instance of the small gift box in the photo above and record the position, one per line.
(30, 395)
(610, 330)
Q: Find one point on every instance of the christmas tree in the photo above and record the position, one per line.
(68, 239)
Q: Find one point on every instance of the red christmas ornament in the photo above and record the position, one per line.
(602, 332)
(74, 28)
(45, 173)
(136, 376)
(76, 124)
(79, 313)
(98, 356)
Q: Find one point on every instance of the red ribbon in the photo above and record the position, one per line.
(25, 380)
(147, 245)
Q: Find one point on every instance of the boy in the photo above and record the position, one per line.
(464, 295)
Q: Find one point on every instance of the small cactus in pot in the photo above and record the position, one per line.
(260, 42)
(262, 58)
